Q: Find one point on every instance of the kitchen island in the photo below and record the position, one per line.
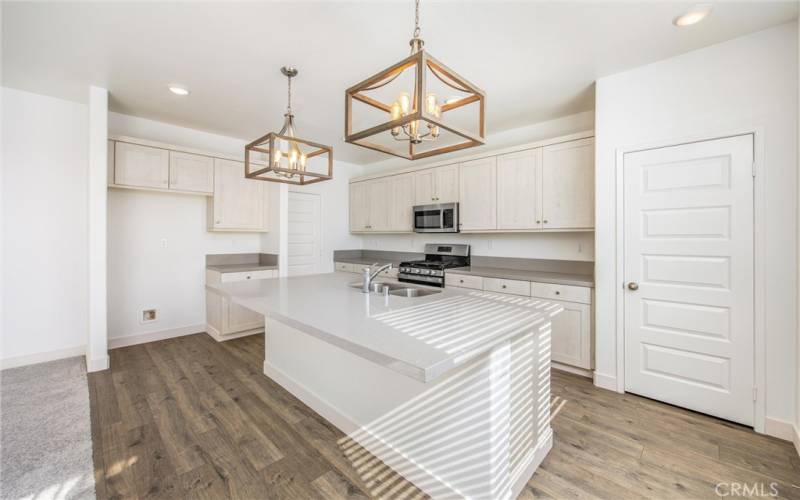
(451, 389)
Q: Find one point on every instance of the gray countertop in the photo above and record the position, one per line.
(450, 327)
(240, 268)
(367, 262)
(524, 275)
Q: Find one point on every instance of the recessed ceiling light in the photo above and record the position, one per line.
(694, 16)
(178, 90)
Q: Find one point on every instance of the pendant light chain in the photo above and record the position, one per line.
(289, 96)
(416, 19)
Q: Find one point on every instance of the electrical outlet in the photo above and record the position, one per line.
(164, 243)
(149, 315)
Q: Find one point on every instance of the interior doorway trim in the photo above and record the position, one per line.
(759, 242)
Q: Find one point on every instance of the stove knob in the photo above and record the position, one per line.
(416, 271)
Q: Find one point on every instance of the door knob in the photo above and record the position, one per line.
(633, 285)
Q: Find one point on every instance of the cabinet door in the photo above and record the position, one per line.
(519, 190)
(188, 172)
(478, 194)
(424, 185)
(359, 208)
(141, 166)
(401, 202)
(568, 185)
(571, 335)
(241, 319)
(239, 203)
(378, 204)
(447, 184)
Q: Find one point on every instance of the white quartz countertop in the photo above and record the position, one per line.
(422, 337)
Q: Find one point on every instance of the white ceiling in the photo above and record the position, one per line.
(535, 60)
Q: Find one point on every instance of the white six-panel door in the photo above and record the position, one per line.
(305, 233)
(689, 276)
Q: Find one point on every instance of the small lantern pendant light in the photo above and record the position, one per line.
(287, 158)
(416, 118)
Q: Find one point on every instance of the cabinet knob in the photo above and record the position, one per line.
(248, 277)
(538, 222)
(503, 286)
(216, 222)
(460, 281)
(558, 293)
(545, 221)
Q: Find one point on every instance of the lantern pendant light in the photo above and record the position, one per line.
(416, 122)
(284, 157)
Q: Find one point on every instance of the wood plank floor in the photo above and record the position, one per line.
(193, 418)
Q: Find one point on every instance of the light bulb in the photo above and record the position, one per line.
(405, 102)
(430, 103)
(293, 159)
(437, 111)
(412, 128)
(277, 160)
(396, 111)
(303, 161)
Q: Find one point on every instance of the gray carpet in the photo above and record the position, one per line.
(45, 432)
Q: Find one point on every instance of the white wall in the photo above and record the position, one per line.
(797, 339)
(749, 81)
(45, 273)
(564, 246)
(143, 273)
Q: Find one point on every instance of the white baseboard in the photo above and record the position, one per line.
(779, 429)
(42, 357)
(571, 369)
(796, 439)
(216, 335)
(604, 381)
(143, 338)
(97, 364)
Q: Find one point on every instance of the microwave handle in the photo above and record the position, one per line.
(441, 219)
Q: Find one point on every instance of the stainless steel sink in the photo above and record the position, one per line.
(413, 292)
(377, 286)
(396, 289)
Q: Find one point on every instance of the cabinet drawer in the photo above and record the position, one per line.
(507, 286)
(464, 281)
(346, 267)
(571, 293)
(248, 275)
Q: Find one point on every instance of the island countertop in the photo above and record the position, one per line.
(422, 337)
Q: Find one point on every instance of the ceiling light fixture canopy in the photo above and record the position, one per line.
(694, 16)
(419, 122)
(178, 90)
(284, 157)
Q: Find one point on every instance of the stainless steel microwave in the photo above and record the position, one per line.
(440, 218)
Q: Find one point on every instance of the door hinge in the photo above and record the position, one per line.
(755, 393)
(754, 169)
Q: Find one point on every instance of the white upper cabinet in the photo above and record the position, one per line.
(359, 207)
(447, 185)
(546, 188)
(401, 202)
(425, 187)
(378, 203)
(191, 172)
(239, 204)
(478, 194)
(141, 166)
(568, 185)
(519, 190)
(436, 185)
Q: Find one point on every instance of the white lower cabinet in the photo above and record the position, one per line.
(571, 335)
(572, 332)
(226, 320)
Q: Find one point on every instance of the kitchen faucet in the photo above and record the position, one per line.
(369, 275)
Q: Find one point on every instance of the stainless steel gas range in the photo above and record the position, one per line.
(431, 271)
